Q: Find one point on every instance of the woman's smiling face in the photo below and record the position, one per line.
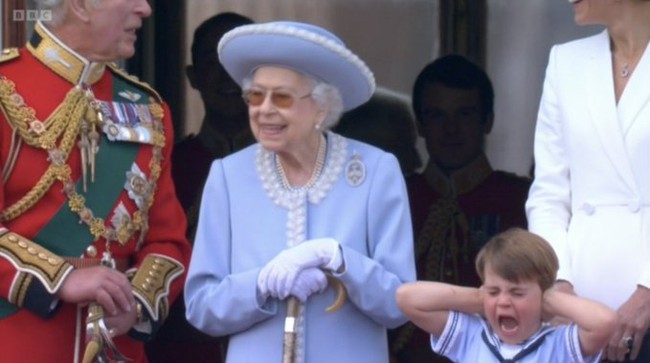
(281, 127)
(514, 310)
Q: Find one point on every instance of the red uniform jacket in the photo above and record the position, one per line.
(51, 225)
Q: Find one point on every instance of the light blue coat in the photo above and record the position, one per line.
(241, 228)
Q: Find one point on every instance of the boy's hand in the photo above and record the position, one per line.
(560, 287)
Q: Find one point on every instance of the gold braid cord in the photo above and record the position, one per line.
(66, 120)
(439, 229)
(65, 123)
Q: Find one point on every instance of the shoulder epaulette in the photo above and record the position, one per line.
(134, 80)
(9, 54)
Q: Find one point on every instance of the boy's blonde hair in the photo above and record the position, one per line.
(518, 255)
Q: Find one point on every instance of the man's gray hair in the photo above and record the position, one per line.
(57, 9)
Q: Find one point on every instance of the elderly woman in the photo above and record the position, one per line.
(302, 211)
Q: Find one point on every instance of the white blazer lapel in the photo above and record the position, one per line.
(636, 94)
(602, 110)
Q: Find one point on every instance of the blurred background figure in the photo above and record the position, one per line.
(225, 126)
(387, 122)
(458, 202)
(224, 130)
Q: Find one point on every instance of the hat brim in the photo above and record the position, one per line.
(248, 47)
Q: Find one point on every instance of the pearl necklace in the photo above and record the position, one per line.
(320, 161)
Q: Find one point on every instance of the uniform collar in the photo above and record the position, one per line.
(460, 181)
(61, 59)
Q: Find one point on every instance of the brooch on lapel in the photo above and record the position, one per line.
(355, 171)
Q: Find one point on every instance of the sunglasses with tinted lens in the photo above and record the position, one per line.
(280, 99)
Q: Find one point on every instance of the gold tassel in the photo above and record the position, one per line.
(84, 146)
(92, 350)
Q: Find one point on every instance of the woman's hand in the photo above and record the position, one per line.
(309, 281)
(633, 322)
(278, 276)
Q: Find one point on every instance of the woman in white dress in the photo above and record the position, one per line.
(591, 194)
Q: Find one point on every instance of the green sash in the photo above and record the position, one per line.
(64, 234)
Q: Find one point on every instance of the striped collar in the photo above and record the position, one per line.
(530, 345)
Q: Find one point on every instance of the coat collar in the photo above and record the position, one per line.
(604, 113)
(636, 94)
(61, 59)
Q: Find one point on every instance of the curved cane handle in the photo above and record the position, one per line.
(341, 294)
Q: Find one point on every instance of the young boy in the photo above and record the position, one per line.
(502, 320)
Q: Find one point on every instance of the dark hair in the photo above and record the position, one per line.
(224, 21)
(454, 71)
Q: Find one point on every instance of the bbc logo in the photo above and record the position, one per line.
(32, 15)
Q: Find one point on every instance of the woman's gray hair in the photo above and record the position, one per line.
(326, 96)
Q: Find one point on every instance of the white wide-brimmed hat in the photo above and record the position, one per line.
(302, 47)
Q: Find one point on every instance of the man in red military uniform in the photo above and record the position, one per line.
(458, 202)
(92, 245)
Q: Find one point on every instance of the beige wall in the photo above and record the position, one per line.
(520, 36)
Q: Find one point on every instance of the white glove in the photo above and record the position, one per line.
(277, 277)
(309, 281)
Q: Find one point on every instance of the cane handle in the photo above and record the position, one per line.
(341, 294)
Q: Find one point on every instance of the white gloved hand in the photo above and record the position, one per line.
(309, 281)
(277, 277)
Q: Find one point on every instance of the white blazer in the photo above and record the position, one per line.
(591, 194)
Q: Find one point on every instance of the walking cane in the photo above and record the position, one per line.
(291, 320)
(289, 345)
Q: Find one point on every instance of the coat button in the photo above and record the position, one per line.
(588, 208)
(634, 206)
